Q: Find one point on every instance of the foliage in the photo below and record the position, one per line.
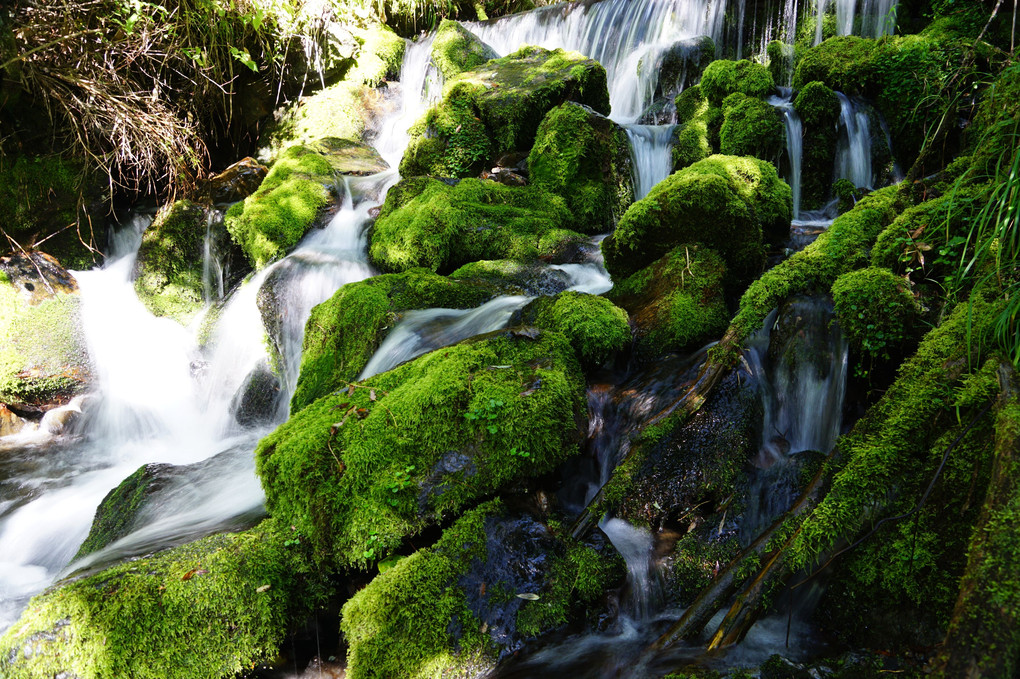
(875, 311)
(455, 50)
(724, 77)
(751, 127)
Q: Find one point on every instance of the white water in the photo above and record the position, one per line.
(794, 144)
(853, 152)
(877, 17)
(643, 592)
(652, 154)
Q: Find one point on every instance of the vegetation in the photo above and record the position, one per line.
(595, 327)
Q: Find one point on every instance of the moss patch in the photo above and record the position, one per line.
(359, 475)
(595, 327)
(429, 223)
(455, 49)
(724, 77)
(751, 127)
(168, 271)
(819, 111)
(677, 302)
(585, 158)
(207, 609)
(698, 136)
(344, 332)
(875, 310)
(723, 201)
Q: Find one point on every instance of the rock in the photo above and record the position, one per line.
(585, 158)
(10, 423)
(168, 270)
(349, 469)
(752, 127)
(43, 354)
(595, 327)
(677, 303)
(433, 224)
(257, 402)
(208, 609)
(679, 67)
(455, 49)
(344, 332)
(352, 158)
(698, 133)
(238, 181)
(497, 108)
(819, 111)
(62, 419)
(725, 202)
(512, 277)
(290, 201)
(724, 77)
(494, 580)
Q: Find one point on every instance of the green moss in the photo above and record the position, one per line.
(595, 327)
(694, 563)
(497, 108)
(288, 203)
(751, 127)
(781, 60)
(677, 302)
(842, 247)
(819, 110)
(380, 57)
(724, 77)
(875, 311)
(723, 201)
(359, 475)
(429, 223)
(344, 332)
(168, 271)
(116, 513)
(43, 355)
(455, 50)
(207, 609)
(341, 110)
(700, 123)
(585, 158)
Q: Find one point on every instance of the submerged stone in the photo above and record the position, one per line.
(361, 469)
(497, 108)
(43, 354)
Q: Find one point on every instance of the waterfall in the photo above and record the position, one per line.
(643, 594)
(794, 144)
(853, 155)
(877, 17)
(652, 153)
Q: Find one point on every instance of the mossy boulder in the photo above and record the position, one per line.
(819, 111)
(698, 135)
(344, 332)
(682, 64)
(455, 606)
(724, 77)
(209, 609)
(287, 205)
(43, 354)
(585, 158)
(496, 109)
(359, 471)
(168, 270)
(781, 61)
(433, 224)
(380, 57)
(595, 327)
(455, 49)
(677, 303)
(876, 312)
(725, 202)
(513, 277)
(47, 197)
(751, 127)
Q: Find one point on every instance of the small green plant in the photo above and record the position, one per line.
(486, 415)
(401, 481)
(523, 454)
(370, 550)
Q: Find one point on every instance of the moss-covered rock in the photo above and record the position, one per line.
(781, 61)
(585, 158)
(455, 49)
(595, 327)
(211, 609)
(496, 109)
(698, 135)
(380, 56)
(287, 205)
(344, 332)
(454, 605)
(168, 270)
(43, 355)
(361, 470)
(682, 64)
(724, 77)
(47, 197)
(818, 108)
(875, 310)
(432, 224)
(725, 202)
(676, 303)
(512, 277)
(751, 127)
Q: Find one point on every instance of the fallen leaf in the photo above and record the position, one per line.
(350, 390)
(371, 394)
(263, 588)
(528, 596)
(363, 413)
(193, 572)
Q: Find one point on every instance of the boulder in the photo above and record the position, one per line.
(455, 49)
(43, 354)
(595, 327)
(752, 127)
(169, 267)
(819, 111)
(237, 182)
(496, 109)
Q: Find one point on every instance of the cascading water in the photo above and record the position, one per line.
(877, 17)
(853, 153)
(794, 144)
(652, 154)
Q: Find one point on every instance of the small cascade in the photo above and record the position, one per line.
(794, 144)
(419, 87)
(853, 153)
(642, 592)
(876, 17)
(651, 148)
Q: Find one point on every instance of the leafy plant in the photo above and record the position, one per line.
(486, 415)
(401, 481)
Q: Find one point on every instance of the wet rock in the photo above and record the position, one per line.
(802, 336)
(238, 181)
(513, 277)
(679, 67)
(258, 400)
(168, 270)
(349, 157)
(10, 423)
(455, 49)
(595, 327)
(43, 355)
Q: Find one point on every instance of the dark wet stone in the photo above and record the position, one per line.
(258, 400)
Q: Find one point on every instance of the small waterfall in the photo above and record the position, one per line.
(419, 86)
(877, 17)
(853, 153)
(794, 144)
(642, 592)
(651, 148)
